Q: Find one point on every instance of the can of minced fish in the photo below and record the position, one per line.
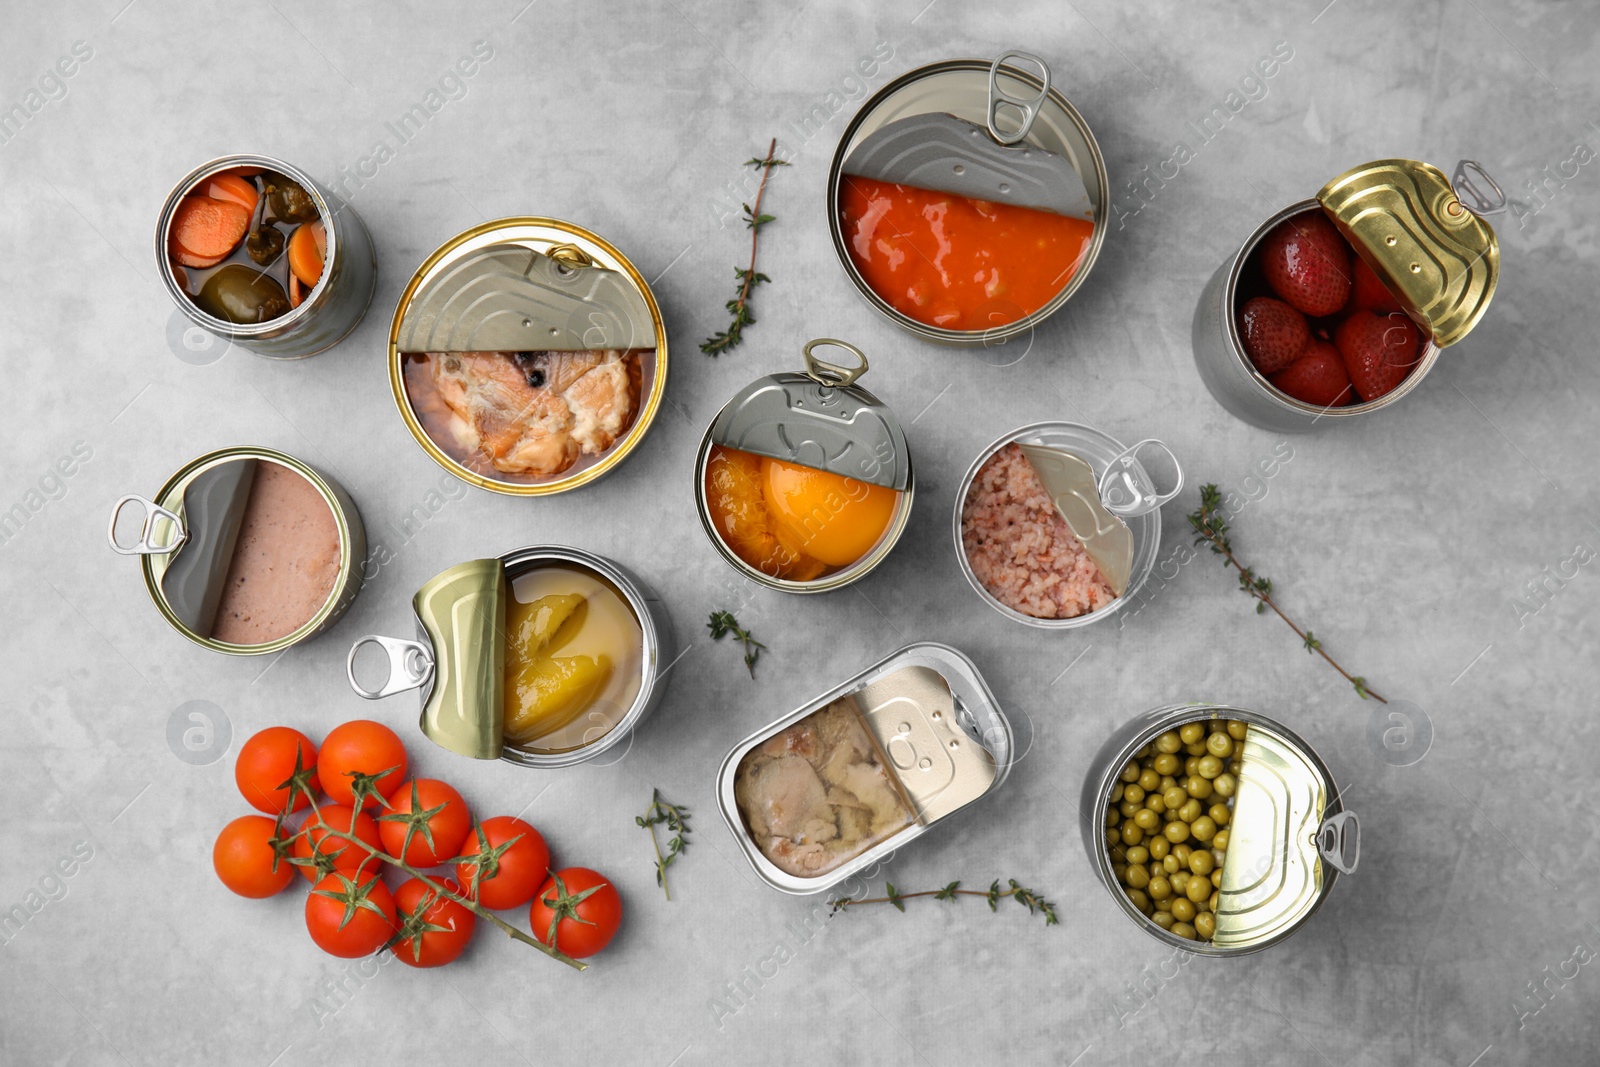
(247, 551)
(1216, 830)
(987, 151)
(547, 656)
(302, 269)
(1404, 246)
(528, 356)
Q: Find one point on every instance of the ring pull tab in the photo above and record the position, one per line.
(1126, 488)
(147, 545)
(831, 375)
(1339, 841)
(1468, 181)
(410, 666)
(1026, 106)
(568, 257)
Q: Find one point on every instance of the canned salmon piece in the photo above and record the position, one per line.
(804, 481)
(967, 199)
(256, 251)
(247, 551)
(527, 356)
(1409, 268)
(914, 739)
(547, 656)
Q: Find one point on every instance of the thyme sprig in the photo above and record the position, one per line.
(723, 623)
(748, 277)
(1212, 529)
(676, 819)
(994, 895)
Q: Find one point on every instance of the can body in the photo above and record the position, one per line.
(335, 305)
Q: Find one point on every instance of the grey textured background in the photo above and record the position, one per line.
(1406, 541)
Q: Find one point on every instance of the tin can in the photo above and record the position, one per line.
(977, 92)
(1435, 254)
(459, 658)
(919, 733)
(332, 308)
(1117, 505)
(819, 420)
(190, 543)
(1291, 837)
(528, 289)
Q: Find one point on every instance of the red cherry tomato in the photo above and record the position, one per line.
(360, 751)
(350, 918)
(585, 908)
(267, 761)
(341, 854)
(246, 861)
(517, 863)
(435, 832)
(420, 911)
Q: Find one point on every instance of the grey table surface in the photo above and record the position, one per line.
(1412, 542)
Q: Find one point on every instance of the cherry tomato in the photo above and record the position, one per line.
(340, 855)
(267, 761)
(365, 909)
(517, 863)
(437, 932)
(246, 860)
(586, 908)
(434, 832)
(359, 752)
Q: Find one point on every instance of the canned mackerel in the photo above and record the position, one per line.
(247, 551)
(909, 741)
(255, 251)
(527, 356)
(803, 481)
(967, 199)
(1057, 525)
(544, 657)
(1215, 829)
(1339, 306)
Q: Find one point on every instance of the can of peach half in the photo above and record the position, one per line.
(1338, 306)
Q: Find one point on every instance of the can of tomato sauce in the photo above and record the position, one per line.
(967, 200)
(256, 251)
(1338, 306)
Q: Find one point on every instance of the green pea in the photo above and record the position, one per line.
(1177, 831)
(1209, 767)
(1220, 745)
(1183, 930)
(1168, 742)
(1203, 828)
(1190, 732)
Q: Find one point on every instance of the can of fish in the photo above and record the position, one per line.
(915, 738)
(258, 252)
(247, 551)
(544, 657)
(981, 168)
(528, 356)
(1217, 830)
(1057, 525)
(804, 481)
(1338, 306)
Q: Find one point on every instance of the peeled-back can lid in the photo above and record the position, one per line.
(1439, 258)
(820, 419)
(911, 715)
(463, 612)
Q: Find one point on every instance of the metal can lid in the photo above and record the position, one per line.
(463, 612)
(819, 419)
(912, 717)
(1438, 257)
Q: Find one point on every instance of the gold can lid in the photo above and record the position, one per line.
(1439, 259)
(463, 611)
(911, 716)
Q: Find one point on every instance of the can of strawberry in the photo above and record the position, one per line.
(1339, 305)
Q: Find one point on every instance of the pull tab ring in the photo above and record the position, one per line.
(410, 666)
(831, 375)
(1126, 488)
(1028, 106)
(568, 257)
(1339, 837)
(147, 545)
(1469, 179)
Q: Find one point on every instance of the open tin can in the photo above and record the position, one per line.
(1057, 525)
(912, 740)
(993, 143)
(1423, 238)
(528, 356)
(247, 551)
(803, 481)
(544, 657)
(1288, 836)
(246, 287)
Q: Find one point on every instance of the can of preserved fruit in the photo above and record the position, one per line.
(247, 551)
(1217, 830)
(258, 252)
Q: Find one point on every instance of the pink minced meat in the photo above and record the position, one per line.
(1021, 548)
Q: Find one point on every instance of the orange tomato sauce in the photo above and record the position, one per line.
(955, 263)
